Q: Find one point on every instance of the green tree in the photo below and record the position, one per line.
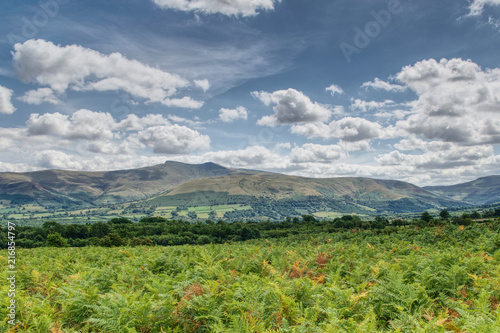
(203, 239)
(74, 231)
(56, 240)
(153, 219)
(426, 217)
(444, 214)
(111, 240)
(308, 219)
(99, 230)
(120, 220)
(379, 223)
(52, 227)
(476, 215)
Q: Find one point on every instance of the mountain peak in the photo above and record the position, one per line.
(207, 164)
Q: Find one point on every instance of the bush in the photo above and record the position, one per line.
(204, 240)
(137, 241)
(56, 240)
(112, 240)
(153, 219)
(120, 220)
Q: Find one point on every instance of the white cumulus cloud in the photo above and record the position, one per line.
(334, 89)
(349, 129)
(39, 96)
(364, 106)
(257, 157)
(203, 84)
(477, 6)
(457, 101)
(315, 153)
(52, 159)
(291, 107)
(83, 124)
(383, 85)
(453, 157)
(101, 133)
(171, 139)
(230, 115)
(82, 69)
(5, 101)
(229, 8)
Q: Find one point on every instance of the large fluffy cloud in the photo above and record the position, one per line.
(314, 153)
(78, 68)
(5, 101)
(250, 157)
(172, 139)
(453, 156)
(291, 107)
(229, 8)
(103, 134)
(52, 159)
(457, 101)
(83, 124)
(348, 129)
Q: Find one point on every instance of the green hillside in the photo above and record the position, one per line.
(278, 196)
(177, 189)
(72, 188)
(482, 191)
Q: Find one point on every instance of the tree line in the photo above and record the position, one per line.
(160, 231)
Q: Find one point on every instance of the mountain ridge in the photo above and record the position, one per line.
(96, 187)
(176, 183)
(481, 191)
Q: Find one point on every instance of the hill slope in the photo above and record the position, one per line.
(176, 184)
(482, 191)
(289, 195)
(57, 187)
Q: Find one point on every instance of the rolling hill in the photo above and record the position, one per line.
(175, 184)
(58, 187)
(482, 191)
(282, 195)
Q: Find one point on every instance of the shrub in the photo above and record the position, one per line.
(56, 240)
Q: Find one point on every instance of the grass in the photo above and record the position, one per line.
(202, 212)
(328, 215)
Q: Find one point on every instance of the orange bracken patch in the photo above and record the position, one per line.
(193, 290)
(322, 259)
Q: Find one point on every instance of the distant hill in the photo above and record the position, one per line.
(58, 187)
(262, 194)
(482, 191)
(283, 195)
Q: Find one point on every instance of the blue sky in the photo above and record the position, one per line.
(399, 89)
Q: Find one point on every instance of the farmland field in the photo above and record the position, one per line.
(407, 279)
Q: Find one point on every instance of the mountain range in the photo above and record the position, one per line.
(179, 184)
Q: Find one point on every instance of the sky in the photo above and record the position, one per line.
(388, 89)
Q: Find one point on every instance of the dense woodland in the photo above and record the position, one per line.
(163, 232)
